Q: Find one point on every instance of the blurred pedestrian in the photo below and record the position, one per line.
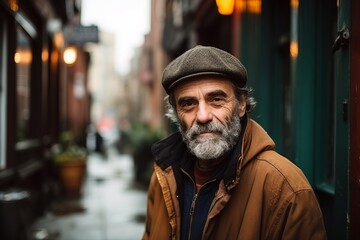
(220, 177)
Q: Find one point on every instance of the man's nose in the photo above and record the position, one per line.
(203, 114)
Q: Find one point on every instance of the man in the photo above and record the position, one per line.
(219, 177)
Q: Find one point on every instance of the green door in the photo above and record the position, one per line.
(321, 117)
(297, 57)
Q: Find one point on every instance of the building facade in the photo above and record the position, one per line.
(302, 58)
(40, 94)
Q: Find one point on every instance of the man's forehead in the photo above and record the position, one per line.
(204, 86)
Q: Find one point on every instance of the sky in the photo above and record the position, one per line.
(129, 20)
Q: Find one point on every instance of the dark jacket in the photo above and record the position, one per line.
(267, 197)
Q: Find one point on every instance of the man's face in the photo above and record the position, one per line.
(209, 116)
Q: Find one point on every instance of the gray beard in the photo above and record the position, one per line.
(216, 145)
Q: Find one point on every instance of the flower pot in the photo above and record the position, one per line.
(72, 175)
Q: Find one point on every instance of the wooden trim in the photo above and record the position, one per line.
(354, 169)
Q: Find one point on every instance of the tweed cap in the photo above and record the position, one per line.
(203, 61)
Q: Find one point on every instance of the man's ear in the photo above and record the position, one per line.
(242, 106)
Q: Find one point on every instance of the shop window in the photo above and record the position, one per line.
(23, 60)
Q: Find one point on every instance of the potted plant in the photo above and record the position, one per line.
(137, 142)
(70, 161)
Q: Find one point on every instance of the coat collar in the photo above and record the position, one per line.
(253, 140)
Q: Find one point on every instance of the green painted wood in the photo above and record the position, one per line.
(304, 95)
(264, 51)
(342, 129)
(300, 103)
(322, 85)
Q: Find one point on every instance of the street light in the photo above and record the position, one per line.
(225, 7)
(70, 55)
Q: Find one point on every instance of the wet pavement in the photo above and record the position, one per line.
(112, 206)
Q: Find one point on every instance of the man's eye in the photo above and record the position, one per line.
(217, 100)
(186, 104)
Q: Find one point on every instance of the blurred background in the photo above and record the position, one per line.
(81, 102)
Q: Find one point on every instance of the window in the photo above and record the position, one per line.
(23, 59)
(3, 55)
(27, 90)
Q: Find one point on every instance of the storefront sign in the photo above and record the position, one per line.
(82, 34)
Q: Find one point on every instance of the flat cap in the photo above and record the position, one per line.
(203, 61)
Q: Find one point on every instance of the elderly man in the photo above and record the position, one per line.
(219, 177)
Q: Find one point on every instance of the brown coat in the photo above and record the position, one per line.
(269, 199)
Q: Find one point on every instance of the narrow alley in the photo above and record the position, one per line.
(112, 206)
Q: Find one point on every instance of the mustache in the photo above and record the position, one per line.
(211, 127)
